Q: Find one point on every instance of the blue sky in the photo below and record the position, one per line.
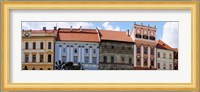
(166, 31)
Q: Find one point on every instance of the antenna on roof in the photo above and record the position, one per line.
(80, 28)
(71, 28)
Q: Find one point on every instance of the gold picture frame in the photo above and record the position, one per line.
(7, 6)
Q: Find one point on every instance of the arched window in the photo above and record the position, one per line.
(41, 68)
(33, 68)
(49, 68)
(25, 68)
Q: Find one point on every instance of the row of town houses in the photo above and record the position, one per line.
(97, 49)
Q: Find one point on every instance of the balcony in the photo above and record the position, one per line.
(145, 37)
(152, 38)
(138, 36)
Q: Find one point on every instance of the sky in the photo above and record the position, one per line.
(165, 31)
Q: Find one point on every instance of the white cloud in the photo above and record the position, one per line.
(107, 26)
(170, 34)
(50, 25)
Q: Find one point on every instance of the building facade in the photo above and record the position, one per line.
(80, 46)
(144, 47)
(165, 56)
(175, 58)
(38, 49)
(116, 51)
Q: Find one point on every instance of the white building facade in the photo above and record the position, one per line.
(164, 59)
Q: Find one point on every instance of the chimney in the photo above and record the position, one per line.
(44, 28)
(148, 25)
(127, 32)
(55, 28)
(22, 29)
(70, 28)
(30, 30)
(134, 23)
(80, 28)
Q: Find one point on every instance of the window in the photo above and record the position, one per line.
(158, 65)
(75, 59)
(164, 55)
(159, 54)
(33, 68)
(41, 45)
(145, 50)
(145, 61)
(86, 50)
(130, 60)
(138, 36)
(112, 59)
(94, 60)
(64, 59)
(33, 58)
(138, 49)
(145, 37)
(86, 60)
(152, 51)
(49, 58)
(49, 45)
(41, 68)
(41, 58)
(105, 46)
(26, 46)
(49, 68)
(113, 47)
(34, 45)
(75, 50)
(138, 61)
(64, 49)
(94, 51)
(129, 48)
(170, 56)
(26, 58)
(152, 62)
(104, 59)
(170, 66)
(164, 66)
(122, 59)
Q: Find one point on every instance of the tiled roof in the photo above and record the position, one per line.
(163, 45)
(84, 35)
(115, 36)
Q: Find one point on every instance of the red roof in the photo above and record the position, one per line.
(163, 45)
(86, 35)
(115, 36)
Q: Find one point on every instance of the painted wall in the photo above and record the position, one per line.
(65, 51)
(166, 61)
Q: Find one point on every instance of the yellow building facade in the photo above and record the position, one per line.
(38, 49)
